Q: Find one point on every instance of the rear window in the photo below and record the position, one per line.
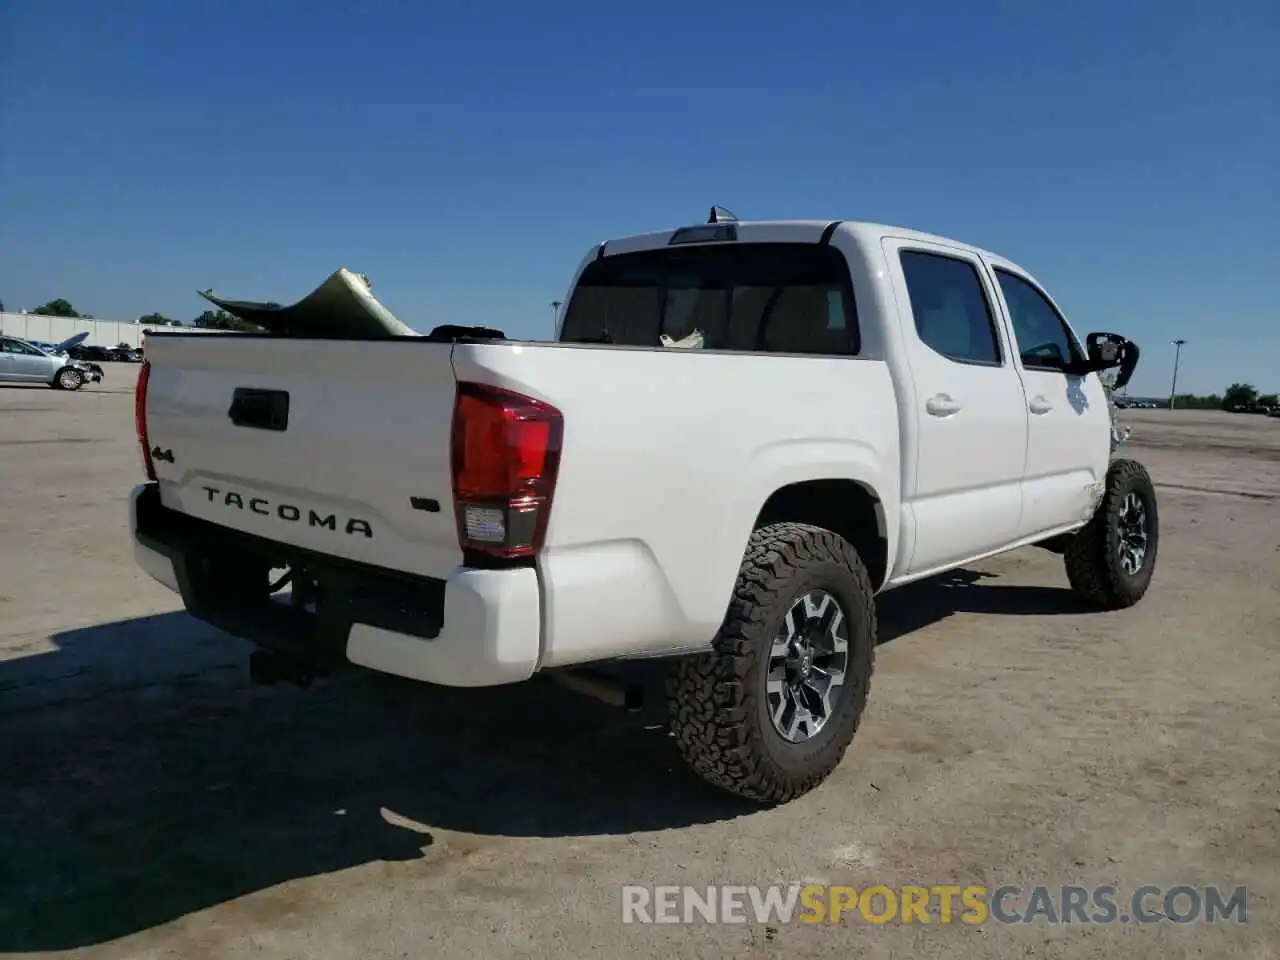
(769, 297)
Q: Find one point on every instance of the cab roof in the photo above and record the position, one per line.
(785, 231)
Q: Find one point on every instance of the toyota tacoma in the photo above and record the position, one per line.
(741, 433)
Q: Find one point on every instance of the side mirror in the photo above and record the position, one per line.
(1107, 350)
(1115, 350)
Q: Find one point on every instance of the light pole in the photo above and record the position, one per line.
(1173, 390)
(555, 314)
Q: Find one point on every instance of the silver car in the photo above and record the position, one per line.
(24, 362)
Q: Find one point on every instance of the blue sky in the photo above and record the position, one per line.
(466, 155)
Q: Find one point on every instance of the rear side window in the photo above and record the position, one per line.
(770, 297)
(951, 310)
(1044, 341)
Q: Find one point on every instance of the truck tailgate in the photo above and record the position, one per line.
(337, 446)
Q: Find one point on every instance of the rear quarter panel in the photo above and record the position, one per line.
(668, 457)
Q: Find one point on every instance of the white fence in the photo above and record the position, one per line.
(102, 333)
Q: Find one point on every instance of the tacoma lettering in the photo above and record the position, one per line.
(331, 521)
(288, 512)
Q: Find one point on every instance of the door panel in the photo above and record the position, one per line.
(32, 365)
(21, 362)
(970, 413)
(1069, 439)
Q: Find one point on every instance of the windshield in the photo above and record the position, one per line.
(772, 297)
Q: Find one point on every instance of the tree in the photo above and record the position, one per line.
(1269, 400)
(1189, 401)
(221, 320)
(157, 320)
(1, 306)
(1239, 395)
(57, 308)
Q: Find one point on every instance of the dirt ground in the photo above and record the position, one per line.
(152, 804)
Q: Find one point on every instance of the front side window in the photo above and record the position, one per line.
(15, 346)
(1044, 339)
(950, 307)
(755, 297)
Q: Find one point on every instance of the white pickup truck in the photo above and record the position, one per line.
(868, 406)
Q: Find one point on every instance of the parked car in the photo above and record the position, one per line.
(127, 354)
(94, 353)
(744, 433)
(24, 362)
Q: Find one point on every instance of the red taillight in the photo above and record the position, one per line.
(505, 452)
(140, 418)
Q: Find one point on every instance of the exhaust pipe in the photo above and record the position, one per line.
(608, 690)
(266, 669)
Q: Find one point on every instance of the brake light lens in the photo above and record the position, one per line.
(505, 457)
(140, 418)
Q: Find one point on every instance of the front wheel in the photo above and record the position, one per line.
(69, 378)
(1111, 560)
(770, 712)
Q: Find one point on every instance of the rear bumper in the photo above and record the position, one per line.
(476, 628)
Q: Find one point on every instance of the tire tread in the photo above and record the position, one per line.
(709, 696)
(1091, 569)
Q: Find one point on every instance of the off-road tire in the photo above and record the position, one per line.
(717, 701)
(1092, 558)
(68, 378)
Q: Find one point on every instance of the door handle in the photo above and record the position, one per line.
(941, 405)
(1039, 405)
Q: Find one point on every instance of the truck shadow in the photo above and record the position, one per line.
(917, 605)
(145, 779)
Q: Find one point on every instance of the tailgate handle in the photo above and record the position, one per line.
(260, 409)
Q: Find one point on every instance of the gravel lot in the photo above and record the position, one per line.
(153, 804)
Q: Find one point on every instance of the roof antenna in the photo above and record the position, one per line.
(721, 215)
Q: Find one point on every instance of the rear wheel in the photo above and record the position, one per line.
(1111, 560)
(770, 712)
(69, 378)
